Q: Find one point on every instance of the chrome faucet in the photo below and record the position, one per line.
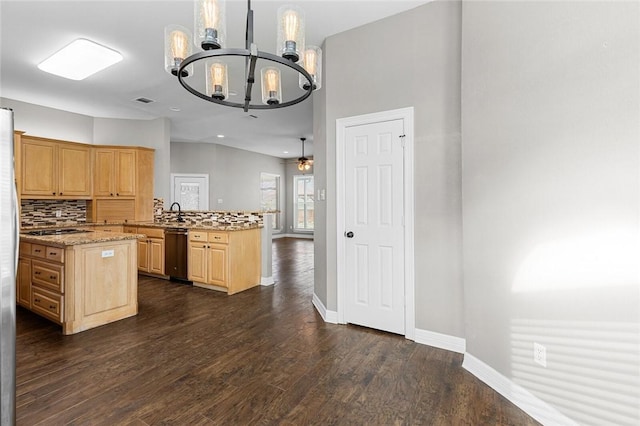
(180, 218)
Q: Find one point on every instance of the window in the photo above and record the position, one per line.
(270, 196)
(303, 203)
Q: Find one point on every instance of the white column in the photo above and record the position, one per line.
(267, 230)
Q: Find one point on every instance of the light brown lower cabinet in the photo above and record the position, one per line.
(150, 249)
(224, 260)
(80, 286)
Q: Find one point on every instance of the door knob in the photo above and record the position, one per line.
(348, 234)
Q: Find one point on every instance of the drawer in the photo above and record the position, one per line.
(107, 228)
(130, 229)
(152, 232)
(47, 303)
(54, 253)
(48, 275)
(198, 236)
(219, 237)
(38, 250)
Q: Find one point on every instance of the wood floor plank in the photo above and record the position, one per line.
(264, 356)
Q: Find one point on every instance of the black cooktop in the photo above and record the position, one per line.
(41, 232)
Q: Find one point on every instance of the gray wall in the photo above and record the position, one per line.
(234, 174)
(551, 200)
(421, 69)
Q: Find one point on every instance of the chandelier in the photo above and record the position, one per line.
(210, 38)
(303, 162)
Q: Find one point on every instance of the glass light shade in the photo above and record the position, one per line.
(301, 165)
(210, 24)
(312, 63)
(217, 80)
(271, 86)
(290, 32)
(177, 46)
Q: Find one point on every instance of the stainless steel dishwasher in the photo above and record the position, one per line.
(175, 253)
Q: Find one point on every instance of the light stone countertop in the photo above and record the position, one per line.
(91, 237)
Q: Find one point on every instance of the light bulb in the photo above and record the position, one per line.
(218, 80)
(291, 24)
(290, 32)
(210, 13)
(179, 45)
(301, 166)
(271, 80)
(307, 166)
(210, 25)
(310, 61)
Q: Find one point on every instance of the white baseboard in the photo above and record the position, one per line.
(328, 316)
(522, 398)
(267, 281)
(305, 236)
(442, 341)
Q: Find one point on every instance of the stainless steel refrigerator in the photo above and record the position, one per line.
(9, 230)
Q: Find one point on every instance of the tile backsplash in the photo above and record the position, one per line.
(207, 218)
(45, 212)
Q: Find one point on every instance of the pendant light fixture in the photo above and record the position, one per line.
(210, 39)
(304, 163)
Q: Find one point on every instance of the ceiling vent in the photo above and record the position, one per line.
(144, 100)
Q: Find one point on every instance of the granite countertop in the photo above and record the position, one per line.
(196, 226)
(79, 238)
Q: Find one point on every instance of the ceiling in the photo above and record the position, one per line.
(32, 30)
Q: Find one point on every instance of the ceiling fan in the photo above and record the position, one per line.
(303, 162)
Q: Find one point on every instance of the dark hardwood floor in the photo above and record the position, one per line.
(264, 356)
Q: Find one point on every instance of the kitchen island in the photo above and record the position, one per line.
(79, 280)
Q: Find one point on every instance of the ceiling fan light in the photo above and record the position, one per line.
(290, 32)
(177, 46)
(210, 24)
(312, 63)
(307, 166)
(300, 166)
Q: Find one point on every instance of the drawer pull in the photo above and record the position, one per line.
(52, 253)
(52, 307)
(37, 250)
(217, 238)
(37, 272)
(37, 300)
(52, 277)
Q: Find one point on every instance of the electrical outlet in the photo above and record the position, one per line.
(540, 354)
(58, 213)
(219, 200)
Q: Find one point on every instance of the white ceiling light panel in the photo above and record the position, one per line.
(80, 59)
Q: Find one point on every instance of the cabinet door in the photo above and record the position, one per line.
(74, 171)
(38, 168)
(104, 173)
(198, 262)
(125, 173)
(23, 291)
(143, 255)
(156, 256)
(217, 265)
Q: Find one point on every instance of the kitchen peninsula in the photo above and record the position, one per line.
(79, 279)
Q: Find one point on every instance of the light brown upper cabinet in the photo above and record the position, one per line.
(115, 173)
(52, 169)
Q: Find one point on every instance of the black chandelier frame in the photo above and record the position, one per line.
(251, 54)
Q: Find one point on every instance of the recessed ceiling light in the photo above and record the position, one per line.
(285, 152)
(176, 109)
(221, 136)
(80, 59)
(232, 93)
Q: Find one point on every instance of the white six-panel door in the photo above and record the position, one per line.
(374, 229)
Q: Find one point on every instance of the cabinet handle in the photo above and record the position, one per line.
(52, 307)
(37, 273)
(61, 193)
(117, 194)
(37, 250)
(52, 253)
(52, 277)
(53, 193)
(37, 300)
(217, 238)
(204, 246)
(111, 194)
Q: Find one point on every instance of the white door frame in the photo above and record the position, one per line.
(342, 124)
